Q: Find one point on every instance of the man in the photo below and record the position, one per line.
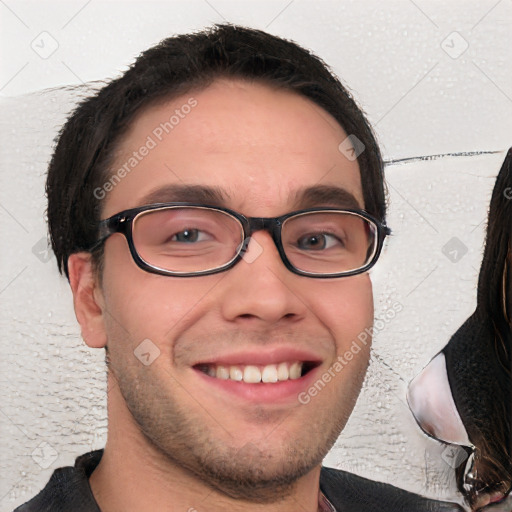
(216, 210)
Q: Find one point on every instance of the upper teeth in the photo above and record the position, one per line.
(253, 374)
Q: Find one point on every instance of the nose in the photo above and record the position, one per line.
(260, 288)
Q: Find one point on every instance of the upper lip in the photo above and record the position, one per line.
(263, 357)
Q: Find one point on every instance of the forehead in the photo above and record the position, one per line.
(258, 147)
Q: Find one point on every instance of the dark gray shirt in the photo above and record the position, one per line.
(68, 490)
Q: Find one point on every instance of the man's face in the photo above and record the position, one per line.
(260, 147)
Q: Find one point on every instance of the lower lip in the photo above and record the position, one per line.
(264, 392)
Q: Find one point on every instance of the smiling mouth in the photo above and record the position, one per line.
(254, 374)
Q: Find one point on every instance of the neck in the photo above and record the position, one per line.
(134, 475)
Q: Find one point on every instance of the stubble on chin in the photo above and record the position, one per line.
(259, 471)
(194, 438)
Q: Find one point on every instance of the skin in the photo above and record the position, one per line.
(174, 441)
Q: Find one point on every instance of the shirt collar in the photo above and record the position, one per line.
(324, 505)
(88, 462)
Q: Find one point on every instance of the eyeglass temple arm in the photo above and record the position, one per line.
(106, 228)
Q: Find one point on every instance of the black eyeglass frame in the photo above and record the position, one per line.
(122, 222)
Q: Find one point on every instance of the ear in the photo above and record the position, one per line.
(87, 299)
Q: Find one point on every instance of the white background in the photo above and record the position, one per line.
(401, 60)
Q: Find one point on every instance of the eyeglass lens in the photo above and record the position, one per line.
(196, 239)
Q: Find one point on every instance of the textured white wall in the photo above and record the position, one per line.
(422, 97)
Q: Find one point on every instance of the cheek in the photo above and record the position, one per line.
(140, 305)
(346, 308)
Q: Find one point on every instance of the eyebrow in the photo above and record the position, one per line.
(325, 195)
(305, 197)
(214, 196)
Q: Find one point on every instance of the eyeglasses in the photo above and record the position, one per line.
(188, 239)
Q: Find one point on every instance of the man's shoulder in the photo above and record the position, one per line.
(352, 493)
(68, 488)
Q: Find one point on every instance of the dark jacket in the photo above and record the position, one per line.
(68, 490)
